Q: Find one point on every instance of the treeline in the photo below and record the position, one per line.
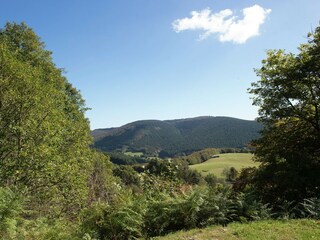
(121, 158)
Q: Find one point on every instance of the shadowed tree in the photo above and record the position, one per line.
(288, 97)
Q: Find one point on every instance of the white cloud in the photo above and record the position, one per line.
(225, 24)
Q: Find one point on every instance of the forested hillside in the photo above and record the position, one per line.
(175, 136)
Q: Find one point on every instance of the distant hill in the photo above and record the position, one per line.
(176, 136)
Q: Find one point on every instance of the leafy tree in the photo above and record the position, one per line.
(288, 97)
(188, 175)
(211, 180)
(230, 173)
(127, 175)
(44, 136)
(165, 168)
(244, 180)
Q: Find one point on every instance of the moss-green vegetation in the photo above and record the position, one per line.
(264, 230)
(223, 161)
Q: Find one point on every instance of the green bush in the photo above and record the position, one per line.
(10, 208)
(172, 214)
(127, 175)
(211, 180)
(47, 229)
(248, 208)
(287, 210)
(102, 221)
(230, 174)
(201, 207)
(217, 207)
(311, 208)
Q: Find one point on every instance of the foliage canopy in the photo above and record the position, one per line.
(288, 97)
(44, 136)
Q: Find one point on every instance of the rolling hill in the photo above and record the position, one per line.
(176, 136)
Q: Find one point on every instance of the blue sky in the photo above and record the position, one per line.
(153, 59)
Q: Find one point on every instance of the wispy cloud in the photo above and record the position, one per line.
(228, 26)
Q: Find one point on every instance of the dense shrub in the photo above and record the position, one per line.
(201, 207)
(217, 207)
(172, 214)
(230, 174)
(174, 170)
(47, 229)
(127, 175)
(102, 185)
(10, 208)
(14, 226)
(211, 179)
(187, 175)
(311, 208)
(248, 208)
(122, 222)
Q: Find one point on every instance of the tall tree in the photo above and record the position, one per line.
(44, 135)
(288, 97)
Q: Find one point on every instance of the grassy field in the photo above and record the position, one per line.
(227, 160)
(265, 230)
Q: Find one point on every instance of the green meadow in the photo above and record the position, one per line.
(265, 230)
(226, 160)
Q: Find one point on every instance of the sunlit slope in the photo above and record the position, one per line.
(227, 160)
